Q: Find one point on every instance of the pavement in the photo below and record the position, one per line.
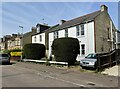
(113, 71)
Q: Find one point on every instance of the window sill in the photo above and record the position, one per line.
(80, 36)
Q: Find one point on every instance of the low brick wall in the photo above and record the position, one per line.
(15, 58)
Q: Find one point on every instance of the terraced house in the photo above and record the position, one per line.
(95, 32)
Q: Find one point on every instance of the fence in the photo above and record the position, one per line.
(109, 59)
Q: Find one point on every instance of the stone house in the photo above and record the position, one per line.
(4, 43)
(14, 42)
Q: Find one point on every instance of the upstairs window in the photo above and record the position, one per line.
(108, 29)
(38, 29)
(40, 38)
(78, 30)
(66, 32)
(55, 34)
(82, 29)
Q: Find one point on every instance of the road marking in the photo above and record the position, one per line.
(80, 85)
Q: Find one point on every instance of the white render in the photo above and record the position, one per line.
(87, 39)
(38, 38)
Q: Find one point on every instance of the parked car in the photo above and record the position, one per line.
(89, 61)
(4, 58)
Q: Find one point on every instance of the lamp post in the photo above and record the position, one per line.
(21, 40)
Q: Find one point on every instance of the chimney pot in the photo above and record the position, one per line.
(104, 8)
(62, 21)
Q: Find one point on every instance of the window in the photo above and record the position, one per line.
(55, 34)
(38, 29)
(40, 38)
(83, 49)
(82, 29)
(18, 42)
(77, 30)
(66, 32)
(35, 39)
(108, 33)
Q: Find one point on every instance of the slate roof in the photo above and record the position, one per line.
(53, 28)
(76, 21)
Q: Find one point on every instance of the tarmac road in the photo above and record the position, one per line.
(23, 74)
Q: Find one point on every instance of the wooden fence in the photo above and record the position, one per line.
(109, 59)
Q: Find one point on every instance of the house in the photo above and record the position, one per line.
(117, 39)
(14, 42)
(27, 37)
(95, 32)
(1, 44)
(4, 43)
(39, 37)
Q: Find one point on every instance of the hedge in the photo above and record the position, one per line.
(66, 49)
(34, 51)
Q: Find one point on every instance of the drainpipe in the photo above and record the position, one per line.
(116, 40)
(87, 37)
(111, 34)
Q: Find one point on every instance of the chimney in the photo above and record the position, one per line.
(62, 21)
(34, 29)
(104, 8)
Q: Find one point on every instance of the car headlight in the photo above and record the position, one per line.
(80, 61)
(92, 63)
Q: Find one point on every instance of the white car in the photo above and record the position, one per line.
(89, 61)
(4, 58)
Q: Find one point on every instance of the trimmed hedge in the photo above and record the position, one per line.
(66, 49)
(34, 51)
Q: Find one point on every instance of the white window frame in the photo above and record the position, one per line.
(40, 37)
(66, 32)
(82, 28)
(82, 50)
(56, 34)
(77, 30)
(38, 29)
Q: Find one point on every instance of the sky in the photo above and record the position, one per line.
(28, 14)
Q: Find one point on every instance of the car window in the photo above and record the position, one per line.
(4, 55)
(93, 56)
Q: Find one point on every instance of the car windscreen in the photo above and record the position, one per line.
(4, 55)
(91, 56)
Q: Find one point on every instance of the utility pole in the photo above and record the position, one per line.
(21, 41)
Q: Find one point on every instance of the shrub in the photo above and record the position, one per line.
(34, 51)
(66, 49)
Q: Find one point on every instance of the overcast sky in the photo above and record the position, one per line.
(28, 14)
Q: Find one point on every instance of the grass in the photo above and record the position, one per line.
(75, 67)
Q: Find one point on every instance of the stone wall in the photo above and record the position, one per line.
(102, 24)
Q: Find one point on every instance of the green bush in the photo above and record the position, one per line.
(34, 51)
(66, 49)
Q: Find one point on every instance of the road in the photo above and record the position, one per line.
(23, 74)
